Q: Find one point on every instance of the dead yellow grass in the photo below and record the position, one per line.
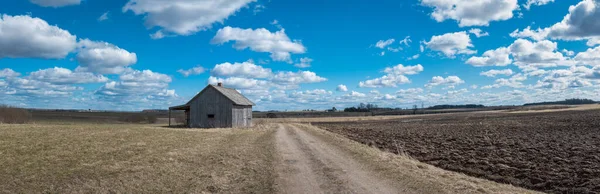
(84, 158)
(411, 173)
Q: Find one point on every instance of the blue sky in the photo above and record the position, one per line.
(294, 55)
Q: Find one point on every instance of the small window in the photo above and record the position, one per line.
(211, 116)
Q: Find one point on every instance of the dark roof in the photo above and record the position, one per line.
(180, 107)
(234, 95)
(230, 93)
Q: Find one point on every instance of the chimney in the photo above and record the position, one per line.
(220, 84)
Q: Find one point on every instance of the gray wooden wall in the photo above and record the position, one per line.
(242, 116)
(211, 102)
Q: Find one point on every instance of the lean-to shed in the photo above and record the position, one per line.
(217, 107)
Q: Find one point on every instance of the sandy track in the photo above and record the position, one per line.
(309, 165)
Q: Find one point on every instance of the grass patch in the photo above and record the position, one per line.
(84, 158)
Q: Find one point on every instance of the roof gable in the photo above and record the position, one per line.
(229, 93)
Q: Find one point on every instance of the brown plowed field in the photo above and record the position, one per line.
(557, 152)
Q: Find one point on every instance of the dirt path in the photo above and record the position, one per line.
(309, 165)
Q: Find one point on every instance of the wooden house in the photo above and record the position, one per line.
(217, 107)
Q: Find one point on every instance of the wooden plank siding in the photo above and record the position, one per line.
(242, 116)
(211, 102)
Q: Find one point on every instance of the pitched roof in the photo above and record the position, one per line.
(234, 96)
(230, 93)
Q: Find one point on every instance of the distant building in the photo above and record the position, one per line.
(217, 107)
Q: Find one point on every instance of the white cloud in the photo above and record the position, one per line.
(494, 73)
(58, 75)
(450, 81)
(514, 82)
(413, 57)
(406, 41)
(103, 16)
(410, 91)
(261, 40)
(568, 52)
(295, 78)
(6, 72)
(245, 70)
(27, 37)
(498, 57)
(384, 43)
(451, 44)
(385, 81)
(184, 17)
(102, 57)
(138, 83)
(355, 94)
(192, 71)
(342, 88)
(55, 3)
(536, 2)
(34, 88)
(472, 13)
(589, 57)
(241, 83)
(536, 54)
(580, 23)
(394, 76)
(478, 32)
(526, 54)
(304, 62)
(258, 8)
(539, 34)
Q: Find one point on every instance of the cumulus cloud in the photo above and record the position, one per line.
(55, 3)
(451, 44)
(241, 83)
(245, 70)
(27, 37)
(471, 13)
(498, 57)
(184, 17)
(341, 88)
(536, 2)
(516, 81)
(59, 75)
(304, 62)
(589, 57)
(138, 83)
(260, 40)
(580, 23)
(394, 76)
(478, 32)
(494, 72)
(192, 71)
(102, 57)
(295, 78)
(355, 94)
(34, 88)
(525, 54)
(536, 54)
(6, 72)
(450, 81)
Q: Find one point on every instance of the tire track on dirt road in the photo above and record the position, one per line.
(306, 164)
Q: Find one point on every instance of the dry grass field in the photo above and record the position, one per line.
(108, 158)
(550, 151)
(64, 157)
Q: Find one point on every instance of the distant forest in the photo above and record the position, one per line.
(362, 107)
(446, 106)
(574, 101)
